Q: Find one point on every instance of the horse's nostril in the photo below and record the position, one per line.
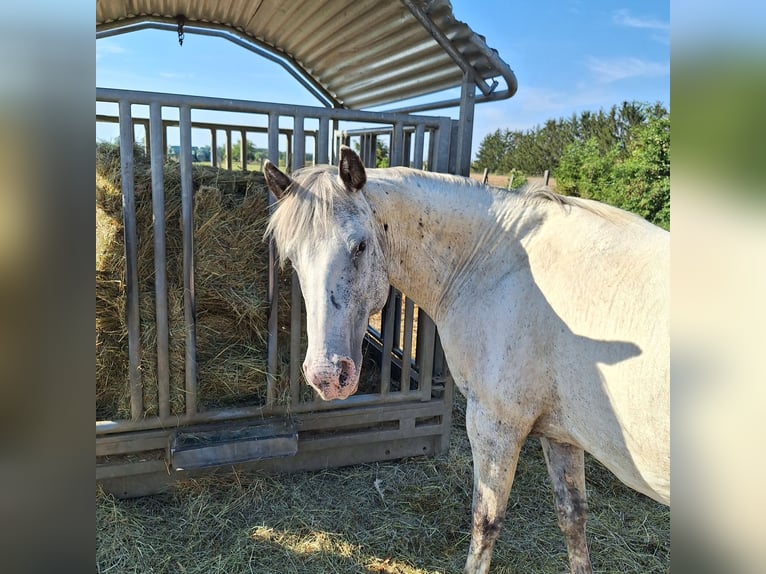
(347, 372)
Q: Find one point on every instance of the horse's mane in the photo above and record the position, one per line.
(310, 200)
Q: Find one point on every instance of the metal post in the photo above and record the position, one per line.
(465, 129)
(187, 222)
(323, 140)
(160, 278)
(271, 358)
(131, 267)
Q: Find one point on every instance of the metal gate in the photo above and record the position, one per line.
(409, 411)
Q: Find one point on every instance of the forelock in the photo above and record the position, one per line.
(308, 209)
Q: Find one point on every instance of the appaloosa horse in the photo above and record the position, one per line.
(552, 311)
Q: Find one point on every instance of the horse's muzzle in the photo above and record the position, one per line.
(337, 378)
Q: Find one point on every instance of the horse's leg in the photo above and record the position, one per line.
(566, 467)
(495, 447)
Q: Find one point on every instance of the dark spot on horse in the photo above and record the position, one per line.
(333, 301)
(490, 528)
(385, 227)
(420, 222)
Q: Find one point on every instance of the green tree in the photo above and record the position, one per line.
(634, 174)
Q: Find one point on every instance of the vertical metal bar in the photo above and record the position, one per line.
(273, 294)
(243, 149)
(214, 147)
(131, 267)
(295, 341)
(447, 398)
(408, 148)
(164, 140)
(420, 130)
(147, 144)
(397, 145)
(453, 150)
(228, 150)
(273, 143)
(187, 224)
(425, 354)
(299, 143)
(397, 321)
(388, 342)
(409, 313)
(160, 277)
(465, 129)
(441, 147)
(289, 154)
(323, 140)
(338, 138)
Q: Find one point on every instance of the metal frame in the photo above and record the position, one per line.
(388, 424)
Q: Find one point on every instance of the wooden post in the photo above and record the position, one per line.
(510, 179)
(485, 177)
(546, 177)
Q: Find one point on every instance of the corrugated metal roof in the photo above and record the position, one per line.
(353, 53)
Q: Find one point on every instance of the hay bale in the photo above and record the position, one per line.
(231, 278)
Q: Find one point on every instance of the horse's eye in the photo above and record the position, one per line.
(359, 250)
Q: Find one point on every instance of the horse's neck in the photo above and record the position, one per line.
(438, 235)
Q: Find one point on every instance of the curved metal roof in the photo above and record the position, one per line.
(350, 53)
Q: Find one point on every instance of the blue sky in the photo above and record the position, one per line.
(568, 56)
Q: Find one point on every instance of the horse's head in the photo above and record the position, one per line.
(325, 227)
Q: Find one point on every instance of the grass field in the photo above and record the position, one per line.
(404, 517)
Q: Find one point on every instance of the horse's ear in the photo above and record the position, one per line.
(277, 181)
(351, 169)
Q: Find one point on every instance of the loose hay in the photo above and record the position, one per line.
(337, 521)
(231, 276)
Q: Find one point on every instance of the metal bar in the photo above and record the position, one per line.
(397, 144)
(160, 273)
(409, 313)
(228, 151)
(388, 342)
(295, 340)
(216, 415)
(289, 153)
(247, 106)
(202, 125)
(131, 267)
(407, 148)
(425, 354)
(299, 143)
(442, 147)
(323, 141)
(243, 149)
(447, 46)
(465, 129)
(214, 147)
(397, 322)
(187, 222)
(420, 130)
(273, 290)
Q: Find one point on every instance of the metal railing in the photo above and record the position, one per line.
(414, 140)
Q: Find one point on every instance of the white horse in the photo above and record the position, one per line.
(552, 311)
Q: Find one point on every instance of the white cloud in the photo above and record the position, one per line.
(607, 70)
(106, 48)
(624, 18)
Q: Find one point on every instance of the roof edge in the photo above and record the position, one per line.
(147, 22)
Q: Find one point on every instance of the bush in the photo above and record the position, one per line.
(635, 177)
